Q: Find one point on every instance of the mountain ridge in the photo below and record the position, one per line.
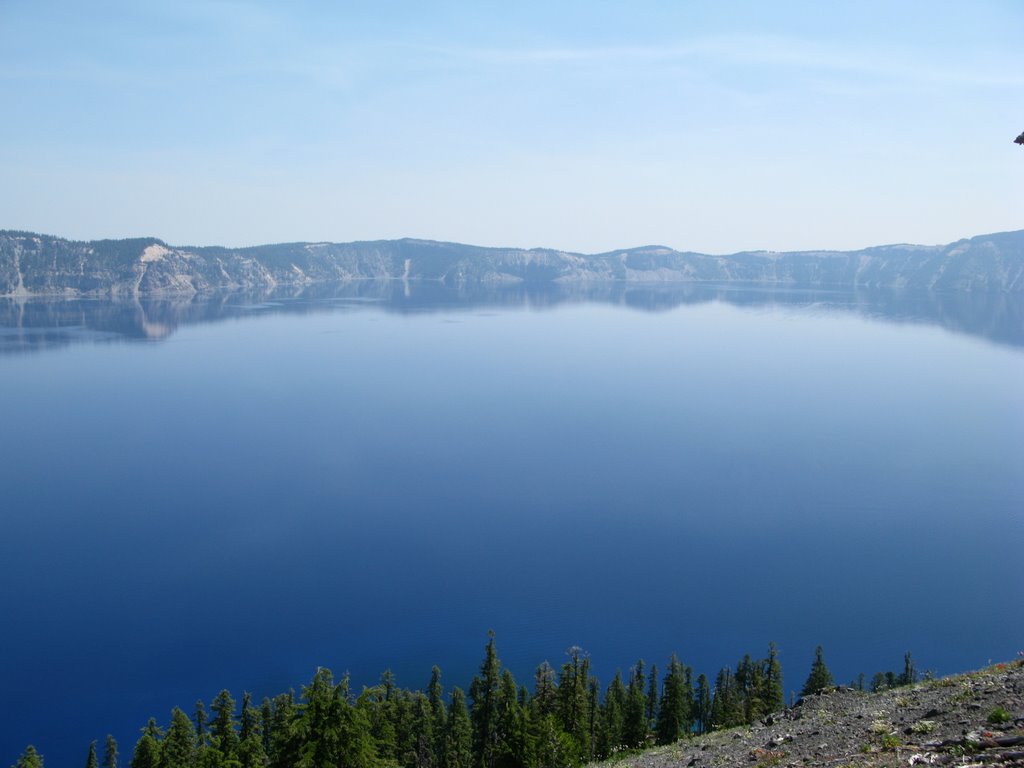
(36, 264)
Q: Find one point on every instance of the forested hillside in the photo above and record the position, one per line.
(565, 718)
(33, 264)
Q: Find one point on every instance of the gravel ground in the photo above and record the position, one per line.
(953, 721)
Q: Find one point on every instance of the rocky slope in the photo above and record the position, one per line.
(976, 719)
(33, 264)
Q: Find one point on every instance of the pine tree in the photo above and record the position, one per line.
(435, 696)
(147, 748)
(772, 695)
(458, 743)
(702, 705)
(29, 759)
(820, 678)
(726, 707)
(179, 746)
(484, 712)
(330, 731)
(749, 684)
(110, 752)
(222, 726)
(594, 711)
(423, 748)
(675, 716)
(318, 731)
(266, 724)
(612, 720)
(91, 761)
(201, 719)
(382, 717)
(634, 721)
(251, 753)
(909, 676)
(545, 691)
(400, 708)
(878, 682)
(510, 746)
(652, 697)
(573, 699)
(282, 751)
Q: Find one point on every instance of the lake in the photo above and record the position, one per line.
(226, 492)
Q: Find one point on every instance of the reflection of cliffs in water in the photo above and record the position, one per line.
(33, 324)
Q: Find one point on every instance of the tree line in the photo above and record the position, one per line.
(565, 721)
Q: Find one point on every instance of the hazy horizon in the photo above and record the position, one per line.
(582, 128)
(450, 241)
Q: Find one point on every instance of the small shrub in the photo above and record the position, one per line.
(963, 696)
(999, 715)
(890, 742)
(923, 726)
(880, 726)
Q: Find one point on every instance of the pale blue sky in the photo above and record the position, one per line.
(586, 126)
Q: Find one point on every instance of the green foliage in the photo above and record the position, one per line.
(998, 716)
(878, 682)
(179, 746)
(330, 731)
(201, 719)
(703, 705)
(29, 759)
(652, 696)
(909, 675)
(564, 723)
(820, 679)
(726, 708)
(610, 734)
(573, 700)
(545, 692)
(771, 693)
(280, 731)
(147, 748)
(675, 715)
(110, 752)
(923, 727)
(458, 741)
(224, 738)
(890, 742)
(484, 712)
(634, 719)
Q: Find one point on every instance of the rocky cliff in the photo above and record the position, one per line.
(33, 264)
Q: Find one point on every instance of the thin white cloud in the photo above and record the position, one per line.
(758, 51)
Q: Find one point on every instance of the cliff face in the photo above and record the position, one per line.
(32, 264)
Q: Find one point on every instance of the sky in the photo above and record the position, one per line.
(584, 126)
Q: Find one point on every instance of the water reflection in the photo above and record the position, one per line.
(46, 323)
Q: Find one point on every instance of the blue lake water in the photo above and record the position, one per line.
(228, 492)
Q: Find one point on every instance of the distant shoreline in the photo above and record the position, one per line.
(44, 265)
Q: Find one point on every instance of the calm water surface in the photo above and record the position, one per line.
(371, 481)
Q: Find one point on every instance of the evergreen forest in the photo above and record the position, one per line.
(566, 720)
